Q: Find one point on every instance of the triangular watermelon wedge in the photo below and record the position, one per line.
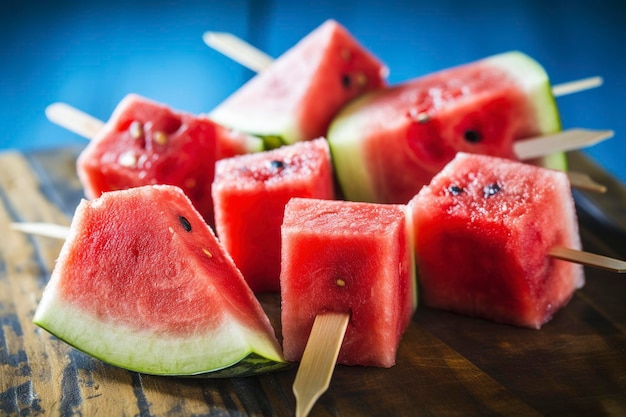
(298, 95)
(143, 284)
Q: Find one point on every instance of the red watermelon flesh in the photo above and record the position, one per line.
(483, 229)
(142, 283)
(389, 143)
(349, 257)
(298, 95)
(250, 193)
(145, 143)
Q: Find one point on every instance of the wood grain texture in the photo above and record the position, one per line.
(448, 365)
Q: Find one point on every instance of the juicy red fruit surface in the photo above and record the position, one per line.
(423, 123)
(483, 230)
(348, 258)
(148, 143)
(250, 193)
(154, 265)
(305, 87)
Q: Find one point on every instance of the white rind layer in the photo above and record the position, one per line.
(224, 345)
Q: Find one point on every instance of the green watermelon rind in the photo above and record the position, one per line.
(347, 153)
(253, 144)
(232, 351)
(536, 83)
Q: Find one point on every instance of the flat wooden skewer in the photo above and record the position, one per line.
(588, 259)
(54, 231)
(576, 86)
(563, 141)
(252, 58)
(74, 120)
(238, 50)
(319, 358)
(583, 181)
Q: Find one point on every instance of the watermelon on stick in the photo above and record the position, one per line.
(389, 143)
(145, 142)
(347, 257)
(347, 286)
(297, 96)
(142, 283)
(484, 228)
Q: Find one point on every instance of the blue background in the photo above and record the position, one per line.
(91, 54)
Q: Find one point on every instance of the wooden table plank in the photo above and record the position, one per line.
(448, 365)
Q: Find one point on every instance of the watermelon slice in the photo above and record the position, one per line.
(142, 283)
(298, 95)
(483, 229)
(145, 142)
(250, 193)
(350, 257)
(389, 143)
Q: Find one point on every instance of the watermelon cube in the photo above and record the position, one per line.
(142, 283)
(389, 143)
(250, 193)
(483, 229)
(145, 143)
(298, 95)
(347, 257)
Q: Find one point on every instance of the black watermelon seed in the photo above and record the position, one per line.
(346, 81)
(185, 223)
(491, 189)
(455, 189)
(472, 136)
(276, 164)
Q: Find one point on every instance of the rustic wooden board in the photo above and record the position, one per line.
(448, 365)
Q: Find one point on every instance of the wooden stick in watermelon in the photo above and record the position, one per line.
(238, 50)
(51, 230)
(256, 60)
(491, 236)
(146, 142)
(74, 120)
(343, 264)
(319, 358)
(563, 141)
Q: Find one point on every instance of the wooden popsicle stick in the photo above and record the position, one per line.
(73, 119)
(566, 140)
(256, 60)
(588, 259)
(576, 86)
(319, 358)
(583, 181)
(238, 50)
(42, 229)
